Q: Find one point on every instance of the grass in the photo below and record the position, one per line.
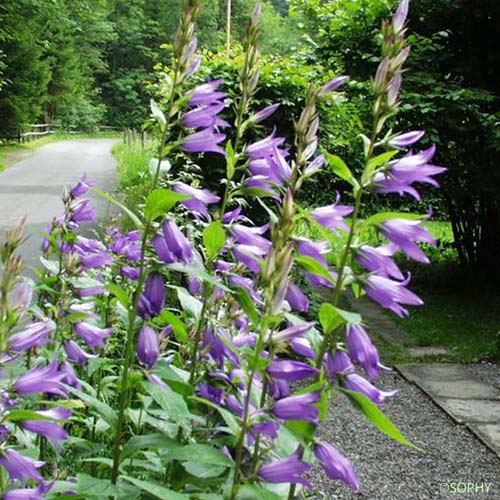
(459, 311)
(133, 173)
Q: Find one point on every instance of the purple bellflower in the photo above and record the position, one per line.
(152, 300)
(29, 493)
(50, 430)
(291, 371)
(286, 470)
(406, 171)
(76, 354)
(363, 351)
(338, 364)
(205, 141)
(199, 200)
(148, 349)
(390, 294)
(355, 382)
(379, 260)
(336, 465)
(33, 335)
(45, 380)
(20, 467)
(296, 298)
(172, 245)
(81, 187)
(332, 85)
(264, 113)
(92, 335)
(407, 139)
(332, 216)
(405, 234)
(298, 407)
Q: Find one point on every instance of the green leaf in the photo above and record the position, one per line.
(214, 238)
(230, 160)
(339, 168)
(120, 293)
(349, 317)
(231, 421)
(381, 159)
(247, 304)
(377, 417)
(160, 201)
(180, 330)
(137, 222)
(172, 403)
(312, 266)
(329, 318)
(302, 428)
(157, 113)
(26, 416)
(105, 411)
(156, 490)
(203, 470)
(94, 487)
(254, 492)
(377, 219)
(189, 303)
(50, 265)
(149, 441)
(202, 453)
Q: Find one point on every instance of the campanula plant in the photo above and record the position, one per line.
(186, 347)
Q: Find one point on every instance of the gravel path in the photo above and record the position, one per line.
(389, 471)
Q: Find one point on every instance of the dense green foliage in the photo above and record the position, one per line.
(84, 62)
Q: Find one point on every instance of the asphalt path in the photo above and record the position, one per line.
(33, 187)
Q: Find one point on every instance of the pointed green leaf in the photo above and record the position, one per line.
(312, 266)
(214, 238)
(160, 201)
(156, 490)
(339, 168)
(377, 417)
(137, 222)
(377, 219)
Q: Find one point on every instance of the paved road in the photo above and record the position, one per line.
(33, 186)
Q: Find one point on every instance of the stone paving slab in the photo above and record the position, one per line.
(426, 351)
(489, 434)
(464, 397)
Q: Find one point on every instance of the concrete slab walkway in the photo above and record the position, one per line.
(462, 396)
(33, 187)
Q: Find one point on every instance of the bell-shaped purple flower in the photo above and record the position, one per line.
(332, 85)
(92, 335)
(355, 382)
(33, 335)
(336, 465)
(172, 245)
(363, 351)
(296, 298)
(303, 347)
(45, 380)
(291, 371)
(379, 260)
(264, 113)
(390, 294)
(199, 200)
(400, 16)
(210, 393)
(29, 493)
(205, 116)
(76, 354)
(338, 364)
(81, 187)
(49, 430)
(286, 470)
(205, 141)
(148, 349)
(404, 172)
(405, 234)
(152, 300)
(20, 467)
(298, 407)
(20, 298)
(292, 332)
(206, 94)
(332, 216)
(82, 212)
(407, 139)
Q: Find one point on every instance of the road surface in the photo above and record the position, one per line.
(33, 186)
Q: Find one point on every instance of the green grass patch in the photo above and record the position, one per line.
(133, 173)
(465, 322)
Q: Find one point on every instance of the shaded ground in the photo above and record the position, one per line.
(34, 186)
